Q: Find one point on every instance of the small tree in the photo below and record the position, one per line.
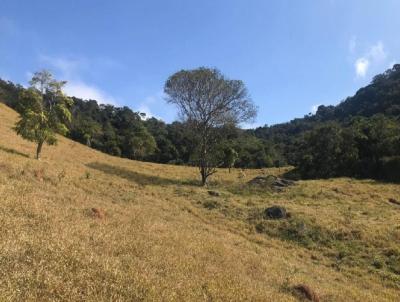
(44, 111)
(231, 156)
(207, 101)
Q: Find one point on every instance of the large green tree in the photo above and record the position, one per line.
(207, 101)
(44, 111)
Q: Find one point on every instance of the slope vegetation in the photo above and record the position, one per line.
(80, 225)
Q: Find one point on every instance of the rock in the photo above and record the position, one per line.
(306, 292)
(97, 213)
(394, 201)
(272, 182)
(214, 193)
(280, 182)
(275, 212)
(262, 180)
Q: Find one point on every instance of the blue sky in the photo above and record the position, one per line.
(292, 55)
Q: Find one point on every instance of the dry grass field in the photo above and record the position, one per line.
(155, 235)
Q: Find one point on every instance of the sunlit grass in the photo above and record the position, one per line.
(163, 237)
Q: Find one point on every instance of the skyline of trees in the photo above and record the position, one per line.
(359, 122)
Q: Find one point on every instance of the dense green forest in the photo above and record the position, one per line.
(122, 132)
(360, 137)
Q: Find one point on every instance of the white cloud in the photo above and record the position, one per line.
(314, 108)
(375, 56)
(149, 102)
(87, 92)
(69, 69)
(361, 67)
(146, 110)
(377, 52)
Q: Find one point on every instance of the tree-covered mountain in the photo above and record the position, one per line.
(358, 137)
(382, 96)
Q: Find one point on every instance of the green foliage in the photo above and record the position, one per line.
(85, 129)
(231, 156)
(365, 147)
(139, 143)
(389, 168)
(354, 149)
(101, 127)
(327, 151)
(254, 152)
(359, 137)
(44, 111)
(166, 151)
(354, 138)
(302, 231)
(209, 103)
(9, 93)
(114, 130)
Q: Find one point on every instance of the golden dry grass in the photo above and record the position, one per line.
(164, 238)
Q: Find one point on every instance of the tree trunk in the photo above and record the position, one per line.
(39, 150)
(88, 142)
(203, 172)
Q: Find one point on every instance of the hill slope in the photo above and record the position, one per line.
(373, 105)
(158, 236)
(381, 96)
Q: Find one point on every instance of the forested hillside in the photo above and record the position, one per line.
(120, 131)
(359, 137)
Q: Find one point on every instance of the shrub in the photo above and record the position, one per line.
(389, 168)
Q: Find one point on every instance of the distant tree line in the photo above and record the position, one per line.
(120, 131)
(366, 147)
(360, 137)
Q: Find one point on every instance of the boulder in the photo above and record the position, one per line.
(271, 182)
(275, 212)
(214, 193)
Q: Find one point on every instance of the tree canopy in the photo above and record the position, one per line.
(358, 137)
(207, 101)
(44, 110)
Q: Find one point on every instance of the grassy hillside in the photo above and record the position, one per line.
(156, 235)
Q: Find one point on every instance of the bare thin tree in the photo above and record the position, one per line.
(207, 101)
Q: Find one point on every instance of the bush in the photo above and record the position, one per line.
(389, 168)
